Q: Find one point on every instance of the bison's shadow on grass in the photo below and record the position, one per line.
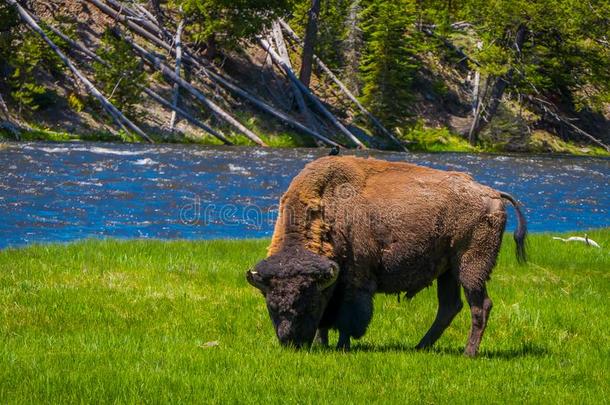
(524, 350)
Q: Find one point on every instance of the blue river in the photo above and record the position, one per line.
(58, 192)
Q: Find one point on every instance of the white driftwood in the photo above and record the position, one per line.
(586, 240)
(344, 89)
(176, 95)
(114, 112)
(323, 110)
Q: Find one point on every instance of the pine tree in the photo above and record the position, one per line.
(225, 22)
(122, 78)
(389, 63)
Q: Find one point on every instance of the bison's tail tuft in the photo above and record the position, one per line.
(521, 231)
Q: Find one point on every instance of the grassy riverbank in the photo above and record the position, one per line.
(150, 321)
(418, 140)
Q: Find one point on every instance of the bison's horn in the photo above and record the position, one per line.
(334, 275)
(255, 280)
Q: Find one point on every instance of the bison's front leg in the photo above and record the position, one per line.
(344, 342)
(322, 337)
(354, 317)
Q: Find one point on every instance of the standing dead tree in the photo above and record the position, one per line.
(344, 89)
(278, 38)
(306, 92)
(311, 33)
(4, 109)
(495, 88)
(114, 112)
(176, 96)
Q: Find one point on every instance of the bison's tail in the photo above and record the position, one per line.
(521, 231)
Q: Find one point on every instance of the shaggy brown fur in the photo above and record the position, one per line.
(389, 228)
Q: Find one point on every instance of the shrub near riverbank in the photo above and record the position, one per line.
(152, 321)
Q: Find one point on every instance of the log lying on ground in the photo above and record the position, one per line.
(306, 92)
(186, 115)
(344, 89)
(214, 76)
(114, 112)
(158, 64)
(543, 104)
(156, 97)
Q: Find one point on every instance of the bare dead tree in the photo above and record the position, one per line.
(278, 38)
(4, 109)
(311, 33)
(208, 71)
(176, 95)
(496, 86)
(159, 65)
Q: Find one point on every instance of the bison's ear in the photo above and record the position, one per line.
(256, 280)
(329, 277)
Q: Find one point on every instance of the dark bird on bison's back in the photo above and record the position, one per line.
(350, 227)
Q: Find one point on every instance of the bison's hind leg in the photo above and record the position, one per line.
(449, 305)
(475, 263)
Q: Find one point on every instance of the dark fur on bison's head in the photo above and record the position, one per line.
(297, 285)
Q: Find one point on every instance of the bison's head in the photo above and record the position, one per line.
(297, 285)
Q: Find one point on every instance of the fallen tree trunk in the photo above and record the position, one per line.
(114, 112)
(344, 89)
(269, 109)
(323, 110)
(176, 96)
(158, 64)
(543, 104)
(156, 97)
(216, 77)
(186, 115)
(120, 8)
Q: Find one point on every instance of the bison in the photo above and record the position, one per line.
(350, 227)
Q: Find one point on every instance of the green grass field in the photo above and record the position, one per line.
(149, 322)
